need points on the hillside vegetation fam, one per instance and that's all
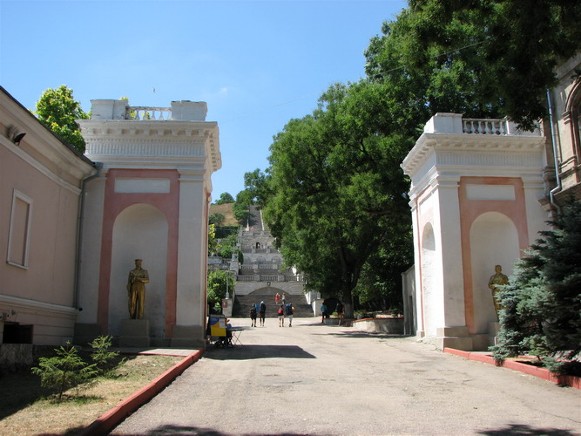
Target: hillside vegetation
(225, 209)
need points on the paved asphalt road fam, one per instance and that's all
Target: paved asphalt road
(313, 379)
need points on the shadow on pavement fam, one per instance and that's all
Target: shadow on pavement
(253, 351)
(358, 334)
(188, 430)
(523, 429)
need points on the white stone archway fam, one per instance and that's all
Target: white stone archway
(140, 231)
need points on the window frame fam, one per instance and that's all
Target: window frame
(12, 258)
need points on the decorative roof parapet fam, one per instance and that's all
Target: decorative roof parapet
(119, 135)
(183, 110)
(451, 132)
(455, 123)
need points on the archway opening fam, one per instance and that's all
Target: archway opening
(140, 231)
(430, 272)
(493, 241)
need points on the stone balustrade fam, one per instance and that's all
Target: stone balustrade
(485, 126)
(455, 123)
(252, 249)
(184, 110)
(138, 113)
(268, 278)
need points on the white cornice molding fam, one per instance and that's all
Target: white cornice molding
(25, 305)
(439, 159)
(132, 143)
(466, 149)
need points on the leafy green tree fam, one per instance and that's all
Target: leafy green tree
(212, 242)
(338, 189)
(241, 206)
(58, 111)
(380, 285)
(256, 183)
(64, 370)
(542, 302)
(217, 219)
(227, 245)
(481, 58)
(335, 197)
(219, 282)
(224, 198)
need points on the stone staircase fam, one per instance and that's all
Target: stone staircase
(243, 303)
(261, 275)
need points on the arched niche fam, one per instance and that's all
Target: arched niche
(140, 231)
(493, 241)
(430, 282)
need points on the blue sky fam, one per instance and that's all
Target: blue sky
(257, 64)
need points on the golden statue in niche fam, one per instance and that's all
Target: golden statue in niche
(138, 277)
(498, 278)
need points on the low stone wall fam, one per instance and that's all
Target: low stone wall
(14, 357)
(380, 325)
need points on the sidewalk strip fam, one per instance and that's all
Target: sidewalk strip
(535, 371)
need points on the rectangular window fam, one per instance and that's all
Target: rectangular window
(19, 231)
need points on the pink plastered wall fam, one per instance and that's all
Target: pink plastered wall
(470, 210)
(114, 204)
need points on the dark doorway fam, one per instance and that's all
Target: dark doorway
(15, 333)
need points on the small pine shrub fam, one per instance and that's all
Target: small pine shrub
(541, 313)
(63, 371)
(104, 359)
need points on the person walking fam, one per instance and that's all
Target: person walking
(289, 312)
(280, 313)
(262, 313)
(253, 316)
(323, 312)
(277, 299)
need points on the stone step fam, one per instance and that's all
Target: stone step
(243, 303)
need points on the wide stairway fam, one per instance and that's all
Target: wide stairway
(243, 304)
(261, 275)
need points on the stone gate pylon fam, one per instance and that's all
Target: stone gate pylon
(149, 201)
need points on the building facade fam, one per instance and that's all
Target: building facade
(71, 226)
(41, 182)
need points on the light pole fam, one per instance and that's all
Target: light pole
(227, 282)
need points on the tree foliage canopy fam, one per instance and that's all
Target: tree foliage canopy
(337, 191)
(58, 111)
(335, 198)
(225, 197)
(255, 191)
(219, 282)
(481, 58)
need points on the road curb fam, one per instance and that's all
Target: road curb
(109, 420)
(543, 373)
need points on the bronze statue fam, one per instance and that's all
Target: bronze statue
(498, 278)
(138, 277)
